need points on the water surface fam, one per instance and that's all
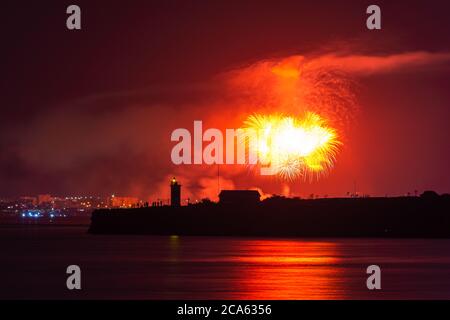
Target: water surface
(33, 262)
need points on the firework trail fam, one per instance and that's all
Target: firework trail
(302, 112)
(294, 86)
(294, 147)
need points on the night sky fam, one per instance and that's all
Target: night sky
(90, 112)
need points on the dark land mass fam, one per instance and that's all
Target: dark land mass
(427, 216)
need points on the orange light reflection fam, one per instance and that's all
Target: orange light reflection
(289, 270)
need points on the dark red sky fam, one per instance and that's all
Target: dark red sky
(91, 111)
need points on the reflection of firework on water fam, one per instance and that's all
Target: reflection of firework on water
(294, 147)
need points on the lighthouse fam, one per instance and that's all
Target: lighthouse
(175, 193)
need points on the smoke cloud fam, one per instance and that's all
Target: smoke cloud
(95, 146)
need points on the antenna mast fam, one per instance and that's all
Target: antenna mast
(218, 180)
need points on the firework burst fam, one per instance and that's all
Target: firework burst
(294, 147)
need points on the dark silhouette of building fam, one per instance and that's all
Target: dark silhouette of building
(429, 194)
(175, 193)
(393, 217)
(239, 197)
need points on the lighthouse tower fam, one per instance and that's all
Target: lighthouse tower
(175, 193)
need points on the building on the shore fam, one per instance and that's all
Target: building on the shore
(44, 199)
(123, 202)
(239, 197)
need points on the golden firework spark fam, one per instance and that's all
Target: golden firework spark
(294, 147)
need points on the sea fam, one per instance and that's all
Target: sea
(34, 261)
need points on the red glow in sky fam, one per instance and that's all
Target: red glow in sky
(92, 112)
